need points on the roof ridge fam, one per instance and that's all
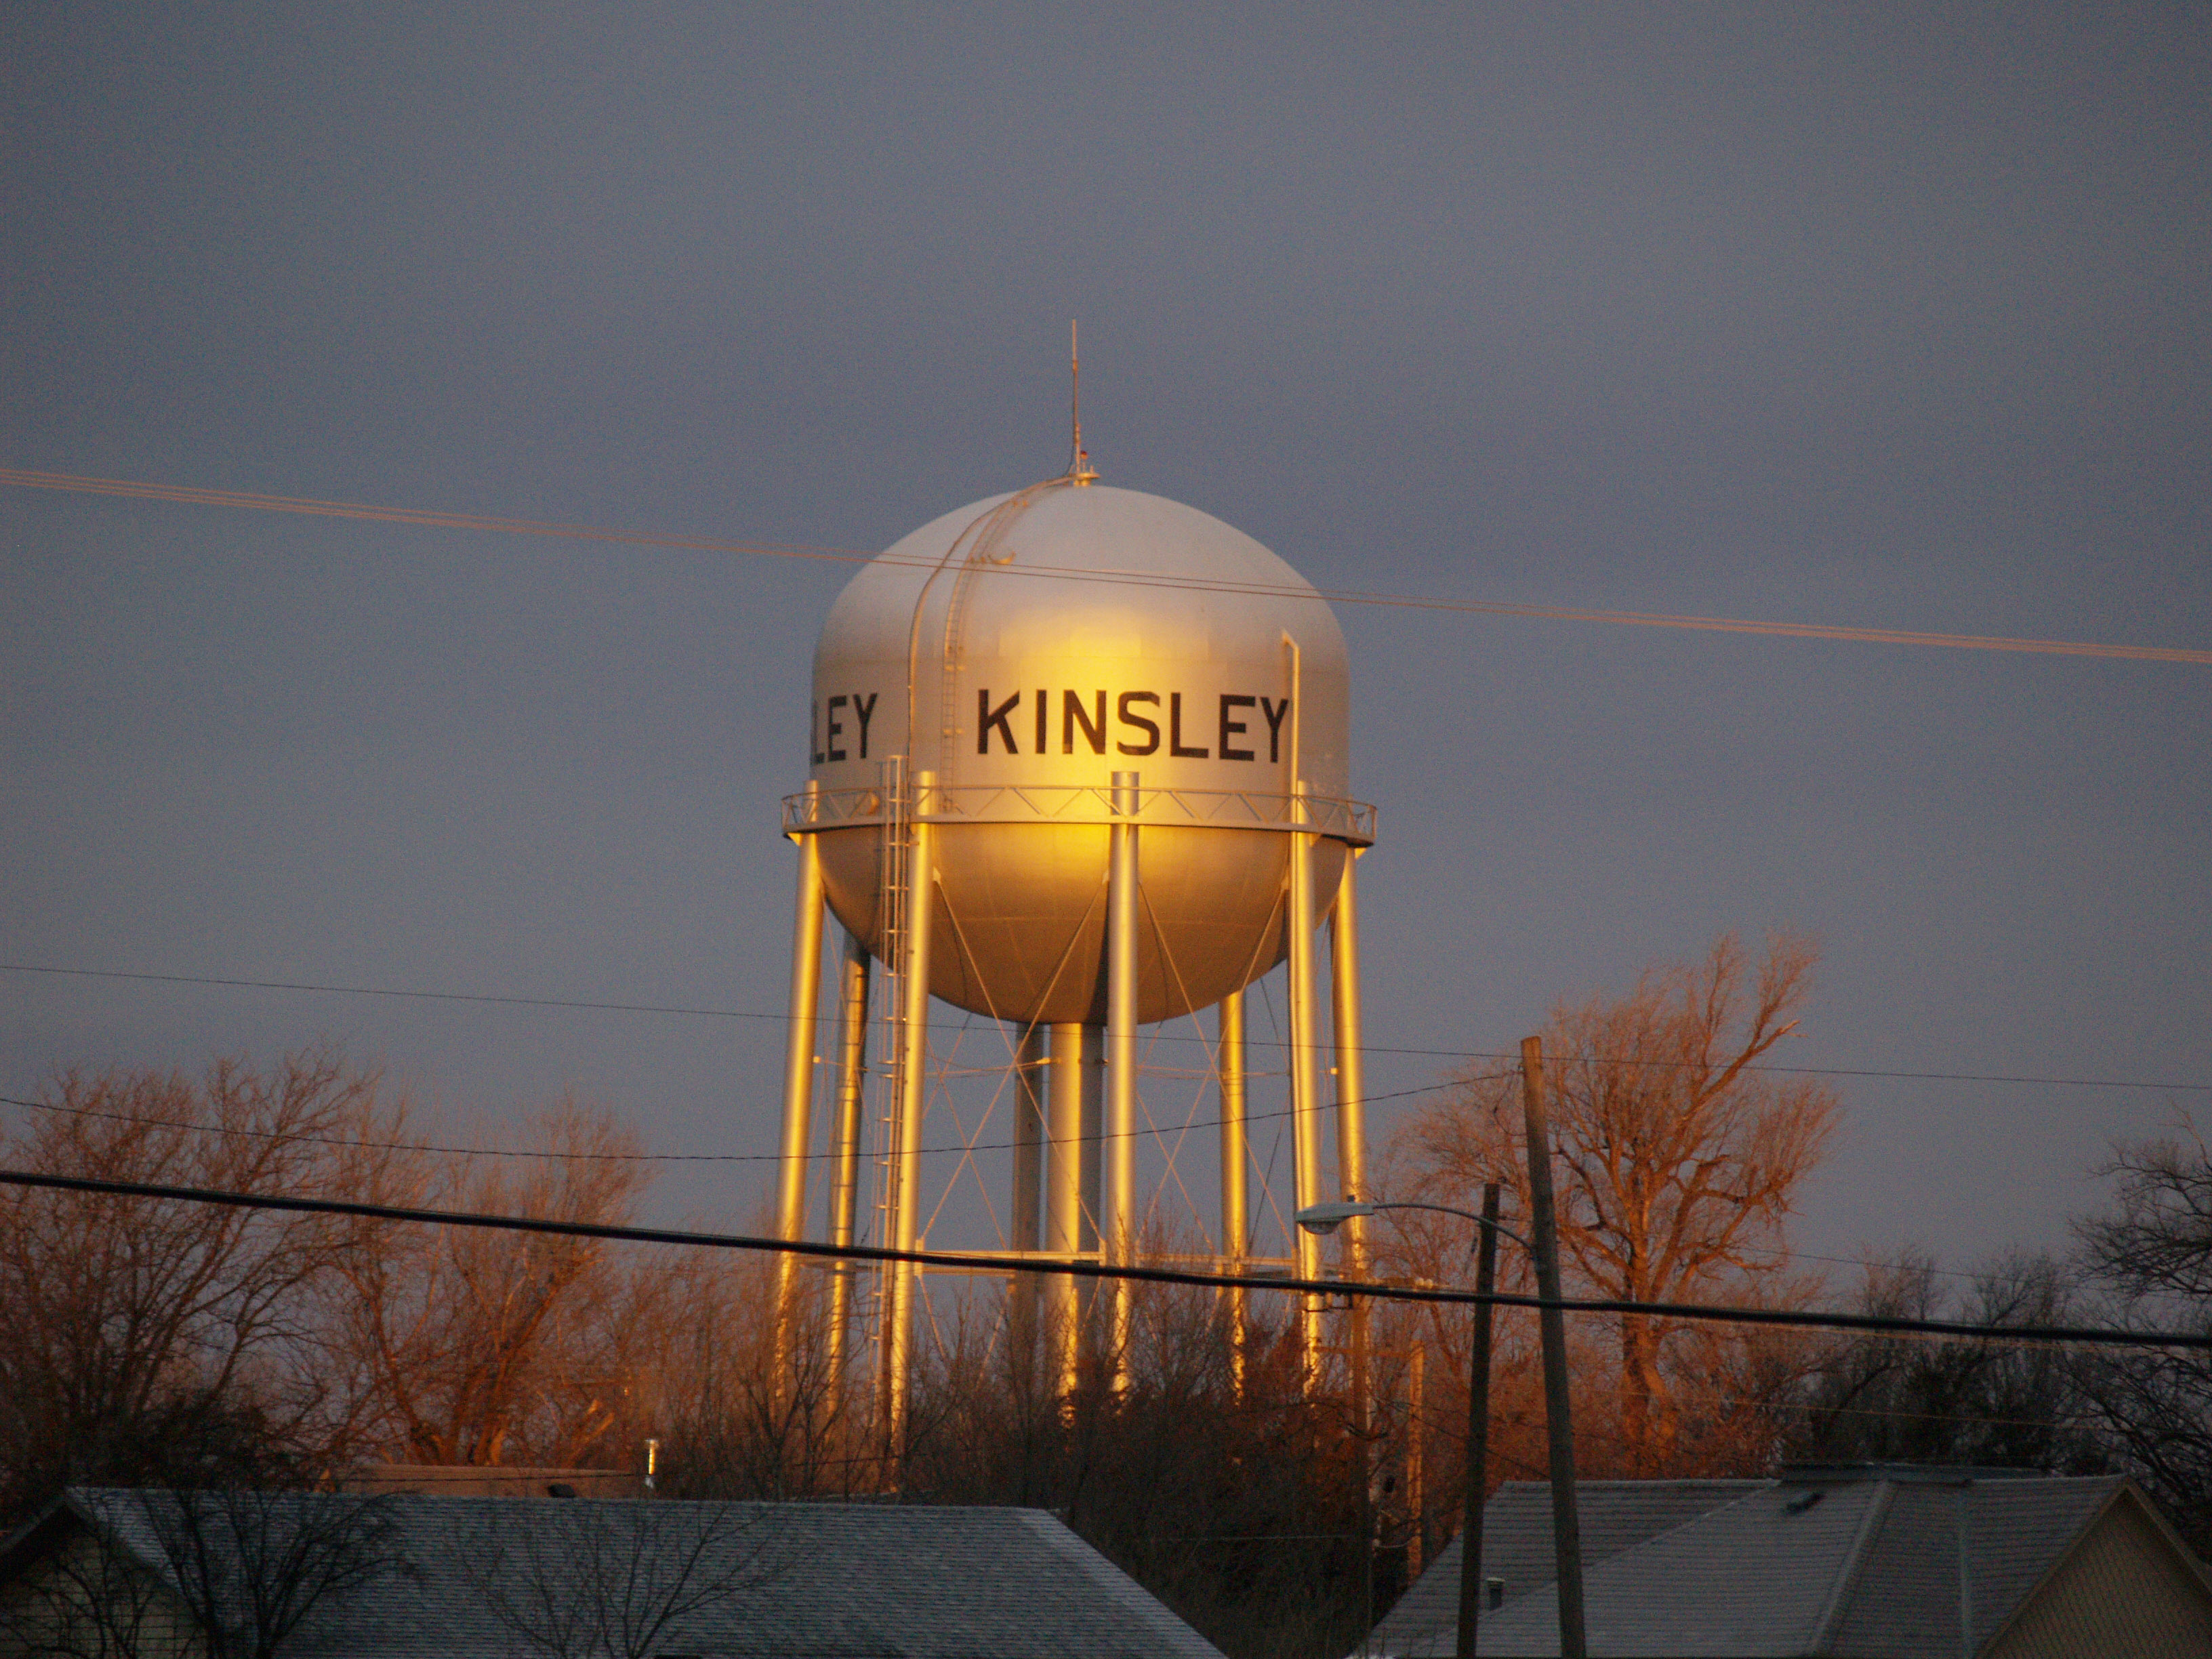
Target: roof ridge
(1832, 1615)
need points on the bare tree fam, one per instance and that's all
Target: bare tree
(477, 1345)
(2153, 1254)
(253, 1564)
(1962, 1401)
(144, 1336)
(734, 1426)
(1679, 1160)
(585, 1579)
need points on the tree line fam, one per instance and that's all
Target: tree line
(172, 1345)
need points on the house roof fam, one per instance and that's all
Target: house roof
(1516, 1545)
(1879, 1565)
(826, 1581)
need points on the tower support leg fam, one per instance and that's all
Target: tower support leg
(798, 1097)
(1120, 1245)
(845, 1152)
(1351, 1109)
(1235, 1163)
(1305, 1086)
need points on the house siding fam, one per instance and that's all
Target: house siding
(50, 1611)
(2121, 1594)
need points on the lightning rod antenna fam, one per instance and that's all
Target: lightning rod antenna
(1079, 466)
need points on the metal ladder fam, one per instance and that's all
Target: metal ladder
(894, 891)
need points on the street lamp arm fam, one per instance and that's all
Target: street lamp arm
(1464, 1215)
(1326, 1218)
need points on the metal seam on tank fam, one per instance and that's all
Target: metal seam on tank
(997, 525)
(921, 601)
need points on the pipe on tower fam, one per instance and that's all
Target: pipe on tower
(1122, 987)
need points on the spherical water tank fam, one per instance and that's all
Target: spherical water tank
(1024, 650)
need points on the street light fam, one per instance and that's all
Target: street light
(1327, 1219)
(1566, 1527)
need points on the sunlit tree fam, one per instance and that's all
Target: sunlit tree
(1679, 1158)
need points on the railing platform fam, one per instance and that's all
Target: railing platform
(1349, 821)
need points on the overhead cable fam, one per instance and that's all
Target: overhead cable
(2072, 1336)
(195, 497)
(587, 1006)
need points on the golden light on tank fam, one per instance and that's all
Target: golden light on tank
(1078, 762)
(1024, 649)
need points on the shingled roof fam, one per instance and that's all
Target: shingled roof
(824, 1581)
(1886, 1564)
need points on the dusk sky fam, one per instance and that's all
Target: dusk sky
(1889, 316)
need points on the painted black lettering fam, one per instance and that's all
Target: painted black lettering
(865, 708)
(987, 717)
(1041, 696)
(1121, 707)
(1274, 713)
(830, 748)
(1072, 714)
(1176, 747)
(814, 732)
(1233, 728)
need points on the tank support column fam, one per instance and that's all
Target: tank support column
(1071, 1186)
(1350, 1107)
(1351, 1132)
(1305, 1084)
(1028, 1220)
(1120, 1242)
(798, 1095)
(1229, 1063)
(845, 1154)
(913, 1100)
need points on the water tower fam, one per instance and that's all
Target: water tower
(1079, 764)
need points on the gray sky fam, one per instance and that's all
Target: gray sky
(1891, 317)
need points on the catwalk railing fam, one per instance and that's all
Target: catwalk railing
(1349, 821)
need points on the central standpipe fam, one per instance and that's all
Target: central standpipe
(1120, 1246)
(1076, 1061)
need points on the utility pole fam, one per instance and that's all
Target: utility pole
(1478, 1428)
(1566, 1522)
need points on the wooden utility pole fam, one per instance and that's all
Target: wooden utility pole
(1566, 1522)
(1477, 1427)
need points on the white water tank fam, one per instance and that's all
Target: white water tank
(1024, 650)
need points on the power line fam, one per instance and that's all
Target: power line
(1782, 1257)
(587, 1006)
(195, 497)
(1156, 1132)
(2076, 1336)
